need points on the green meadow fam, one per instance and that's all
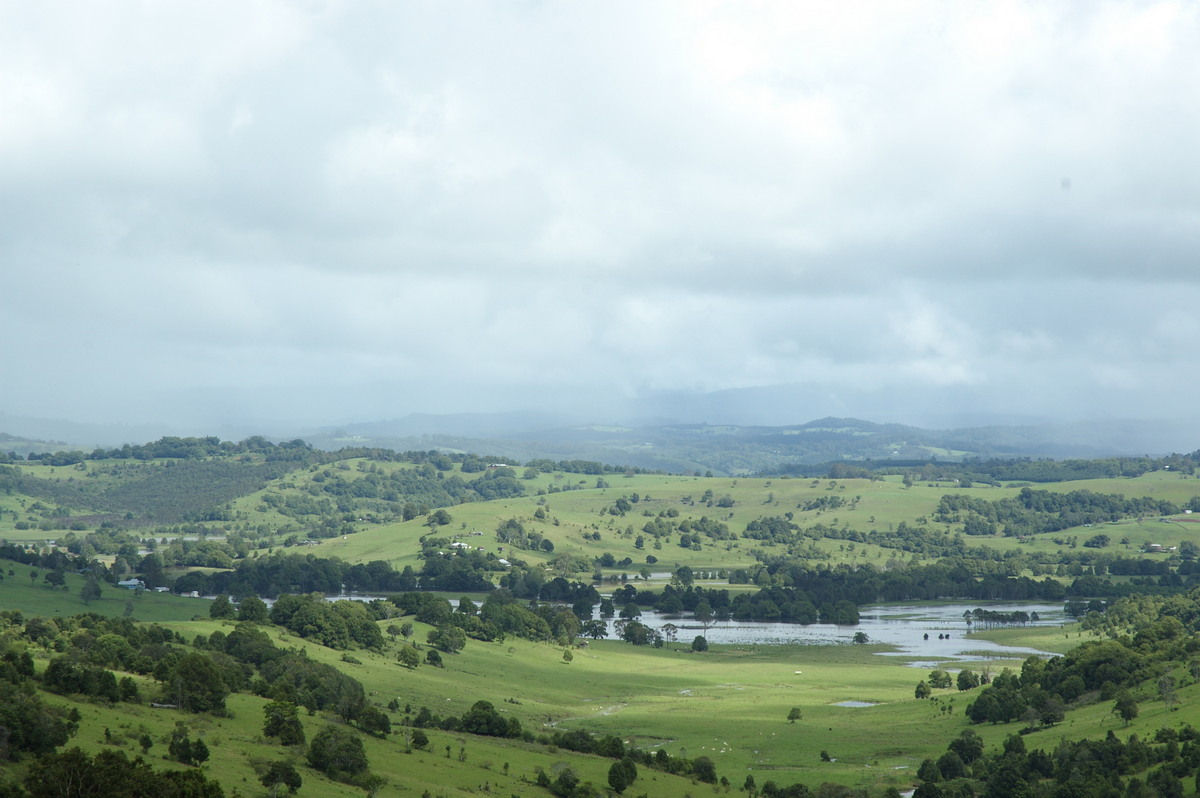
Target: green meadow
(730, 703)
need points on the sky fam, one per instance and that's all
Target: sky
(322, 212)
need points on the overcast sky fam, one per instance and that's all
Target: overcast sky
(325, 212)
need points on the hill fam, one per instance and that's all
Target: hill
(741, 450)
(543, 551)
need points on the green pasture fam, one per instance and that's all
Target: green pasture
(574, 517)
(34, 597)
(729, 704)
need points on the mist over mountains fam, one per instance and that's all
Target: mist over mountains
(658, 443)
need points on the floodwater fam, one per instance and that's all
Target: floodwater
(904, 626)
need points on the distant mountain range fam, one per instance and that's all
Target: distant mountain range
(659, 445)
(731, 449)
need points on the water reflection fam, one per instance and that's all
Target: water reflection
(904, 626)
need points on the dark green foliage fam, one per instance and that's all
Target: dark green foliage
(1036, 511)
(75, 774)
(699, 644)
(252, 609)
(282, 720)
(68, 676)
(195, 684)
(31, 725)
(281, 573)
(482, 718)
(373, 721)
(621, 774)
(408, 657)
(461, 571)
(281, 773)
(968, 746)
(1126, 707)
(337, 752)
(704, 770)
(186, 750)
(90, 591)
(222, 608)
(449, 639)
(638, 633)
(315, 685)
(338, 624)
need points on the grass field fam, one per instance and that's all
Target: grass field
(35, 597)
(730, 703)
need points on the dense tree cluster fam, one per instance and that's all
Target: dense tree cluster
(500, 614)
(111, 774)
(1095, 668)
(1105, 768)
(281, 572)
(1033, 512)
(334, 624)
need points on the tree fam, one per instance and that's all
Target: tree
(1166, 690)
(567, 656)
(968, 746)
(621, 774)
(90, 590)
(1125, 707)
(967, 679)
(951, 766)
(450, 639)
(222, 608)
(151, 570)
(794, 715)
(433, 658)
(55, 579)
(939, 679)
(703, 613)
(337, 752)
(861, 639)
(699, 644)
(374, 721)
(195, 684)
(183, 749)
(408, 657)
(923, 690)
(281, 773)
(282, 720)
(254, 610)
(704, 770)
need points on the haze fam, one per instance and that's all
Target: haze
(320, 212)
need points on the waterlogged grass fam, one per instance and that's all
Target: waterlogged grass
(1052, 639)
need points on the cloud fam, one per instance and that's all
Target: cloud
(318, 209)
